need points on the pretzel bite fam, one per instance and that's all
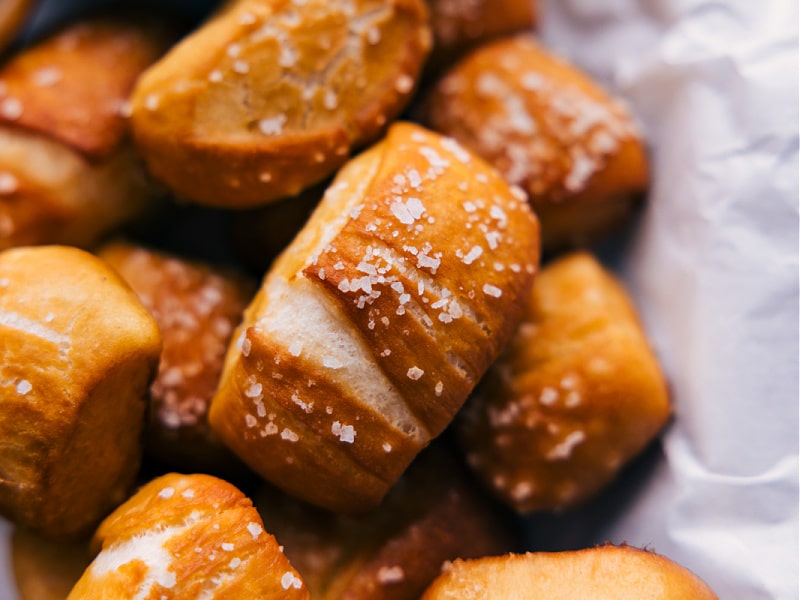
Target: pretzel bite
(373, 326)
(44, 569)
(68, 171)
(77, 352)
(197, 306)
(459, 25)
(13, 14)
(602, 573)
(549, 129)
(433, 514)
(268, 98)
(187, 536)
(576, 394)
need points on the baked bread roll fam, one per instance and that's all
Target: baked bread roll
(459, 25)
(68, 171)
(575, 395)
(549, 129)
(602, 573)
(187, 536)
(77, 354)
(374, 325)
(197, 306)
(435, 513)
(13, 14)
(270, 97)
(44, 569)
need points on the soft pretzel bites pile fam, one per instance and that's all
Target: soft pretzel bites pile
(402, 275)
(187, 536)
(77, 352)
(271, 96)
(68, 171)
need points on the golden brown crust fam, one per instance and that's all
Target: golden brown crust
(68, 171)
(74, 85)
(187, 536)
(459, 25)
(411, 273)
(51, 194)
(576, 394)
(604, 573)
(78, 353)
(549, 129)
(433, 514)
(43, 569)
(197, 306)
(266, 100)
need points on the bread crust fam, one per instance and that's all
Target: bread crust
(68, 171)
(266, 100)
(77, 352)
(576, 394)
(605, 572)
(74, 85)
(548, 128)
(409, 278)
(187, 536)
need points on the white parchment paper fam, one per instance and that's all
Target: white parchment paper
(713, 266)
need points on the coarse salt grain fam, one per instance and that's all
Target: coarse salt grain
(8, 183)
(491, 290)
(241, 67)
(47, 76)
(11, 108)
(345, 433)
(255, 530)
(23, 387)
(289, 435)
(548, 396)
(151, 102)
(472, 255)
(404, 84)
(166, 493)
(415, 373)
(389, 575)
(273, 125)
(254, 391)
(289, 580)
